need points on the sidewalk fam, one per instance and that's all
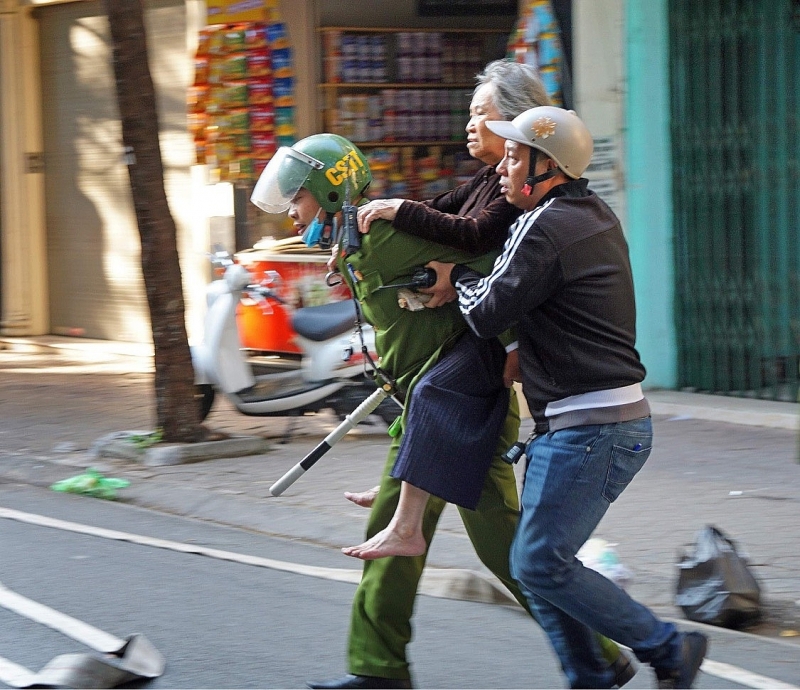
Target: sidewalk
(723, 461)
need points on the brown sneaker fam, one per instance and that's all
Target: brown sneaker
(693, 650)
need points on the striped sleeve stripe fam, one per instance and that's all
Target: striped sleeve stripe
(469, 298)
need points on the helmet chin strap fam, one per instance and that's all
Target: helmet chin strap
(531, 181)
(328, 230)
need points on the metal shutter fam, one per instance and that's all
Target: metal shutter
(735, 67)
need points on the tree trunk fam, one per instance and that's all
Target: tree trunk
(177, 412)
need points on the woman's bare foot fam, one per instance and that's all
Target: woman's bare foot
(365, 499)
(388, 542)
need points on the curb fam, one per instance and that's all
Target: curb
(122, 445)
(165, 454)
(726, 409)
(773, 420)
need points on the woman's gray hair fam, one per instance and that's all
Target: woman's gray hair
(517, 87)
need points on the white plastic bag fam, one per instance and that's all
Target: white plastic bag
(599, 555)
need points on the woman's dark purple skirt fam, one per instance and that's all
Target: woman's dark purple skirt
(453, 422)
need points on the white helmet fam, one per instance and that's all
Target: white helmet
(559, 133)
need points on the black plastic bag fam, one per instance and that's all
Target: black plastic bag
(714, 583)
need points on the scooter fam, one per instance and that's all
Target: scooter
(331, 371)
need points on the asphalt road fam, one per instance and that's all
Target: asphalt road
(223, 624)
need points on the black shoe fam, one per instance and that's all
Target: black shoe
(353, 681)
(693, 650)
(624, 668)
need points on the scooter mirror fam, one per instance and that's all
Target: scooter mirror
(272, 278)
(333, 278)
(220, 258)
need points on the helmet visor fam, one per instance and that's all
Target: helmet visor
(283, 177)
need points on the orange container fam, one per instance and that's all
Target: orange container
(268, 327)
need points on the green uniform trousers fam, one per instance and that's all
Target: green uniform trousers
(380, 621)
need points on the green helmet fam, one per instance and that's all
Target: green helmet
(329, 166)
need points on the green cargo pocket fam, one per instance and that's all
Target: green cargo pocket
(379, 306)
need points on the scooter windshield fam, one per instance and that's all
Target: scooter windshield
(283, 177)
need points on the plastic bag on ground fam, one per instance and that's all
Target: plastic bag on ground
(91, 483)
(601, 556)
(715, 585)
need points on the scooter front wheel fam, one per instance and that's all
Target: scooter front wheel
(204, 396)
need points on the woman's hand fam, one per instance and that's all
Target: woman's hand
(385, 209)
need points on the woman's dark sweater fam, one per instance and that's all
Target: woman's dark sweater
(474, 217)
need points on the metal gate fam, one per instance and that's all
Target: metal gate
(735, 108)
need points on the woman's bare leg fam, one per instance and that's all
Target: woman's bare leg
(403, 535)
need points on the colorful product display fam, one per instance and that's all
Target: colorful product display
(536, 40)
(241, 105)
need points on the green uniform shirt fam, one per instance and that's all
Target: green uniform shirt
(408, 343)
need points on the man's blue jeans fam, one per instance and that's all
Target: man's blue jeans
(572, 478)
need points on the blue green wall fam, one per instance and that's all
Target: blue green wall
(649, 185)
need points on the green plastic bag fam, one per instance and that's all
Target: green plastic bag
(91, 483)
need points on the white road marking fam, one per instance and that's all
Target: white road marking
(743, 677)
(72, 627)
(18, 676)
(135, 657)
(15, 675)
(337, 574)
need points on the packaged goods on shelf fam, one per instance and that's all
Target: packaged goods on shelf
(283, 92)
(464, 167)
(418, 57)
(262, 119)
(403, 96)
(277, 36)
(416, 173)
(402, 115)
(354, 57)
(258, 63)
(260, 92)
(282, 63)
(243, 79)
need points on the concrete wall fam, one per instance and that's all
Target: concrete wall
(599, 87)
(649, 186)
(621, 91)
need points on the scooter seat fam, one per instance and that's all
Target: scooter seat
(325, 321)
